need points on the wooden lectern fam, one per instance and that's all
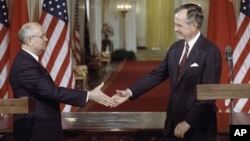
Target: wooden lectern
(224, 91)
(16, 105)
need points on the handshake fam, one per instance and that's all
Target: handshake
(98, 96)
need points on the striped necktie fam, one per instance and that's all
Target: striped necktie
(184, 58)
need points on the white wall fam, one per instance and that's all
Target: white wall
(114, 18)
(140, 22)
(105, 11)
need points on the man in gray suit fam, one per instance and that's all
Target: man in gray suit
(29, 78)
(190, 61)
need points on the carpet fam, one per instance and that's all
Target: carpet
(155, 100)
(127, 73)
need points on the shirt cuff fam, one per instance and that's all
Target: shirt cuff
(130, 92)
(87, 96)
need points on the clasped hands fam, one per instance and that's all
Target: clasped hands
(123, 95)
(98, 96)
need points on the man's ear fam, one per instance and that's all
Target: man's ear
(195, 24)
(29, 40)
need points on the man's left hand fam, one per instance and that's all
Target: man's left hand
(181, 128)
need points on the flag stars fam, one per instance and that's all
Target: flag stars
(245, 6)
(4, 14)
(57, 8)
(59, 13)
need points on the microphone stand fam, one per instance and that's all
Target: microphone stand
(230, 63)
(229, 58)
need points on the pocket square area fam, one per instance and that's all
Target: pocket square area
(194, 65)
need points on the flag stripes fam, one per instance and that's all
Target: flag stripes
(76, 36)
(241, 54)
(77, 51)
(57, 57)
(4, 50)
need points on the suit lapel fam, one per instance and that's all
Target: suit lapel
(33, 60)
(177, 57)
(193, 54)
(191, 57)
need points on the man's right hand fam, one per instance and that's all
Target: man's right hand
(120, 97)
(98, 96)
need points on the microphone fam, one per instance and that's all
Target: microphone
(229, 56)
(229, 59)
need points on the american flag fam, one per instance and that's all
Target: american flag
(4, 42)
(221, 31)
(241, 54)
(76, 37)
(57, 57)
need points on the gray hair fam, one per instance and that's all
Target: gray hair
(26, 31)
(194, 13)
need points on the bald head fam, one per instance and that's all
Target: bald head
(27, 30)
(32, 37)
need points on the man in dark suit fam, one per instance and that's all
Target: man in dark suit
(187, 118)
(29, 78)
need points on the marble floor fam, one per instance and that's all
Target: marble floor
(151, 54)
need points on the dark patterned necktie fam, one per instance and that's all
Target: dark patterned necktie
(184, 58)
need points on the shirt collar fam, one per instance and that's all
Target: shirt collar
(32, 54)
(193, 41)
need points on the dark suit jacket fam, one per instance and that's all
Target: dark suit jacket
(29, 78)
(201, 115)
